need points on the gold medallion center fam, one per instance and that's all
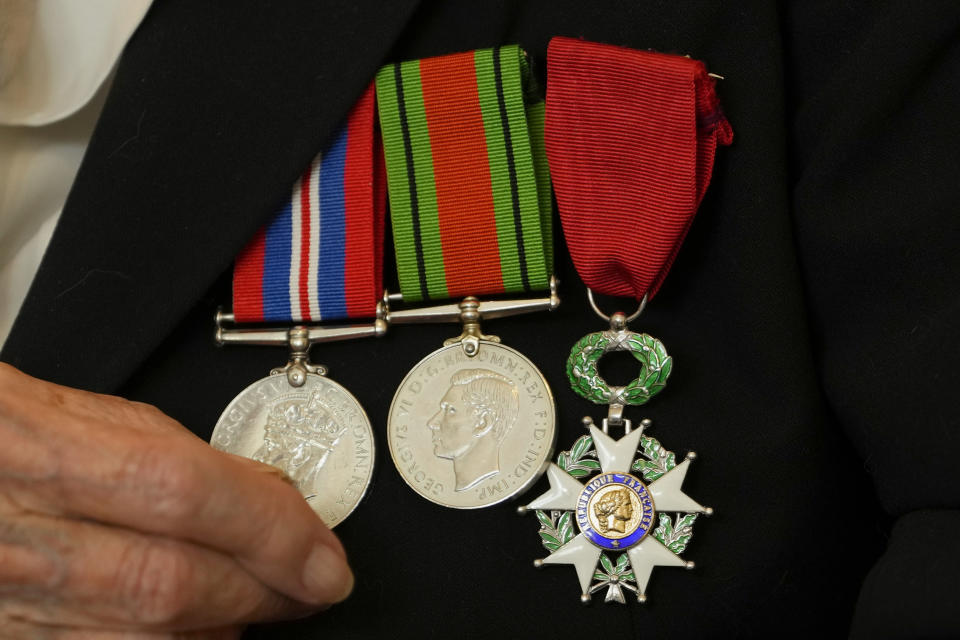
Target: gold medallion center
(615, 511)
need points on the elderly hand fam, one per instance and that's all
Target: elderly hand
(116, 522)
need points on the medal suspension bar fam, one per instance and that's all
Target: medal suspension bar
(469, 312)
(464, 312)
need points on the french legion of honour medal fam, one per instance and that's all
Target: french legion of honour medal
(473, 423)
(317, 260)
(628, 180)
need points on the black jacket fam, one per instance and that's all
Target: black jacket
(811, 313)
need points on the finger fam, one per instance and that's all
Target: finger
(20, 630)
(83, 406)
(80, 405)
(145, 479)
(83, 574)
(266, 469)
(188, 490)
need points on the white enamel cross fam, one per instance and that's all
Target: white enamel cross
(617, 456)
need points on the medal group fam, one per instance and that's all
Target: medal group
(466, 151)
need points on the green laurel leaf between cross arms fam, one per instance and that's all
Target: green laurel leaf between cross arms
(607, 564)
(675, 535)
(556, 529)
(608, 572)
(624, 569)
(580, 460)
(660, 460)
(584, 378)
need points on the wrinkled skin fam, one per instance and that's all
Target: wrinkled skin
(116, 522)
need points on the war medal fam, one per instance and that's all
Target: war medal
(473, 423)
(630, 136)
(318, 260)
(307, 426)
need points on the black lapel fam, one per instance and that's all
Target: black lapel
(213, 113)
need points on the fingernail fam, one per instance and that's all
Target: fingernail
(327, 575)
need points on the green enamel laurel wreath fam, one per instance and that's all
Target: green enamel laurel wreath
(655, 366)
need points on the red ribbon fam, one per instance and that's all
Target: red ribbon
(631, 137)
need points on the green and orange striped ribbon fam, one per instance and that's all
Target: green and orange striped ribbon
(467, 174)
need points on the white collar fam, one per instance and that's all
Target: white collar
(57, 53)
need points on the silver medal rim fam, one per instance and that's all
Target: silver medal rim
(366, 420)
(519, 489)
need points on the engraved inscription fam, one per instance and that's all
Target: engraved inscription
(471, 432)
(615, 511)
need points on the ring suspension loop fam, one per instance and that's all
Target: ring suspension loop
(630, 318)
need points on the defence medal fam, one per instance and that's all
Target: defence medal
(631, 138)
(318, 260)
(472, 424)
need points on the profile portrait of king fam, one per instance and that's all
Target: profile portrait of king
(298, 439)
(476, 414)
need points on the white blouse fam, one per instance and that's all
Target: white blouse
(56, 60)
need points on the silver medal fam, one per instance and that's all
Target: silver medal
(303, 423)
(473, 423)
(318, 434)
(472, 431)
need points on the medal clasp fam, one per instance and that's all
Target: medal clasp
(270, 336)
(299, 339)
(469, 313)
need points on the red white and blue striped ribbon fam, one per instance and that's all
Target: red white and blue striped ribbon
(320, 257)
